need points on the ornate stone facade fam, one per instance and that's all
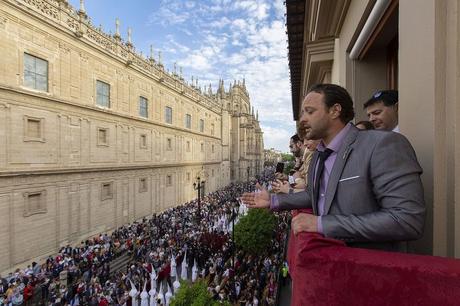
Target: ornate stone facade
(100, 136)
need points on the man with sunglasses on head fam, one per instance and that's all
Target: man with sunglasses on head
(382, 110)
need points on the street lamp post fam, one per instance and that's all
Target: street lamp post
(247, 170)
(233, 237)
(234, 214)
(198, 186)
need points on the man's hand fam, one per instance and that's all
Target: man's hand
(304, 223)
(280, 187)
(281, 176)
(258, 199)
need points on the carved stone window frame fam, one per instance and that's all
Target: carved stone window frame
(38, 54)
(42, 209)
(143, 107)
(169, 144)
(28, 138)
(188, 121)
(110, 194)
(143, 184)
(169, 180)
(103, 82)
(168, 115)
(107, 131)
(143, 141)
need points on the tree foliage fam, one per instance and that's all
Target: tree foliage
(194, 294)
(287, 157)
(254, 231)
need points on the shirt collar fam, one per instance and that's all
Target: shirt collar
(337, 141)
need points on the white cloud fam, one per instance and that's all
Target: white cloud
(239, 24)
(195, 61)
(232, 40)
(189, 4)
(280, 8)
(220, 23)
(278, 138)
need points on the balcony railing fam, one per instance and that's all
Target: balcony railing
(326, 272)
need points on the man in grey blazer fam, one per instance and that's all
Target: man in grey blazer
(364, 186)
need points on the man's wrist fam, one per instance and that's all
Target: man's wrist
(274, 203)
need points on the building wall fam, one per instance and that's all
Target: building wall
(59, 182)
(429, 108)
(430, 115)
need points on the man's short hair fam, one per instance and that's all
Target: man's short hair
(334, 94)
(388, 97)
(295, 138)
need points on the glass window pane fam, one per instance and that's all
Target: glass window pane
(29, 79)
(168, 115)
(102, 94)
(106, 101)
(41, 67)
(41, 83)
(99, 88)
(143, 107)
(106, 89)
(29, 63)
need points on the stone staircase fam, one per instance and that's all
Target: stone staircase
(119, 263)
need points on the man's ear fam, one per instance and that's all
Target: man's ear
(335, 110)
(396, 106)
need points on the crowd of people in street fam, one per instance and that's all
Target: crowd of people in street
(187, 242)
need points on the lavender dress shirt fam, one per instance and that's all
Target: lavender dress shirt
(335, 146)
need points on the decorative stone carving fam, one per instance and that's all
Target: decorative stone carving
(72, 23)
(64, 48)
(44, 7)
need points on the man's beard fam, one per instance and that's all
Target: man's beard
(314, 134)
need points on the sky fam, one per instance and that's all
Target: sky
(212, 40)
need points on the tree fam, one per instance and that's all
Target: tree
(254, 231)
(287, 157)
(194, 294)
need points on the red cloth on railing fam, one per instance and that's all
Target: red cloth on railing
(325, 272)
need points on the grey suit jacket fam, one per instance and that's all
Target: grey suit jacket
(374, 196)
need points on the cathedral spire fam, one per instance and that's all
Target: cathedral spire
(129, 43)
(221, 89)
(151, 53)
(117, 28)
(82, 7)
(82, 10)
